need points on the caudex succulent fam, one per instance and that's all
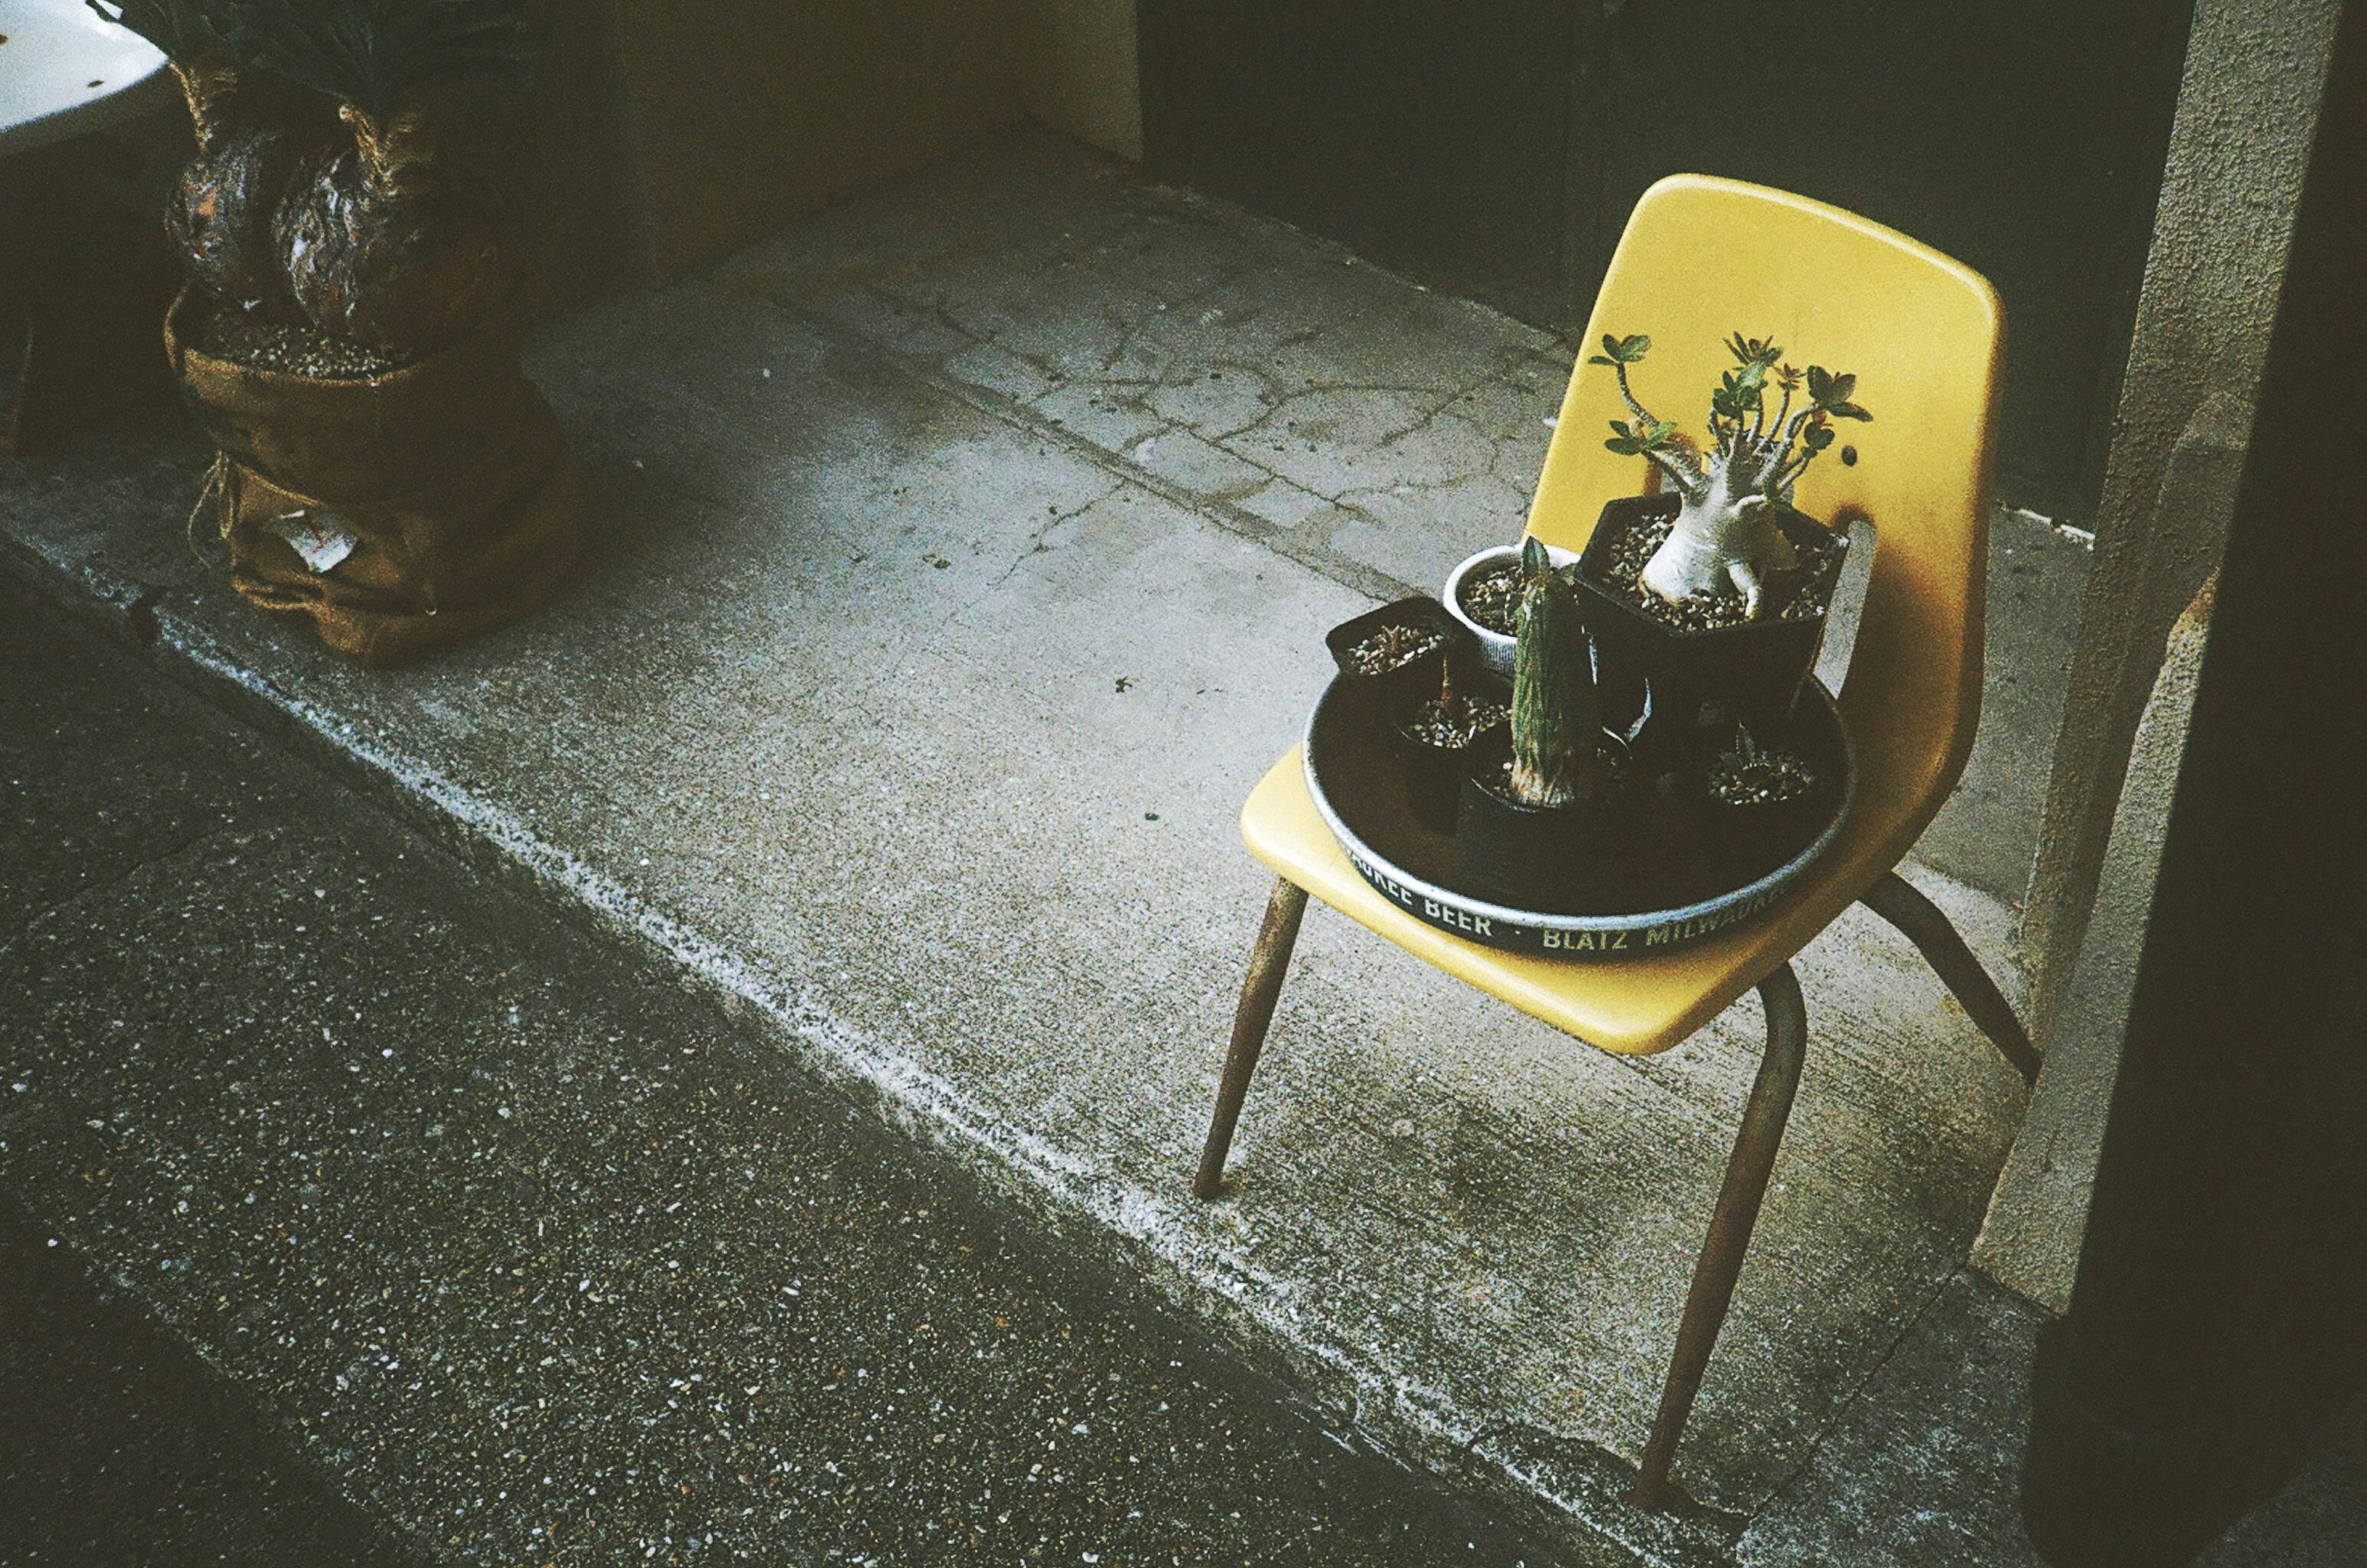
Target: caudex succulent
(1726, 537)
(362, 232)
(380, 248)
(1556, 722)
(221, 214)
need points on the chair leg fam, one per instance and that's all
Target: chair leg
(1729, 1228)
(1919, 921)
(1269, 961)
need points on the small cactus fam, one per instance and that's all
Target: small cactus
(1556, 719)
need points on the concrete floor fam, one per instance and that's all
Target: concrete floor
(964, 555)
(1369, 427)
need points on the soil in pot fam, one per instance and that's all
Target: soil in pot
(1799, 592)
(290, 349)
(1391, 647)
(1436, 736)
(1761, 804)
(1492, 595)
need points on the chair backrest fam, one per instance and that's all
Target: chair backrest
(1702, 259)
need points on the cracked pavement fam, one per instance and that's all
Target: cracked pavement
(1388, 430)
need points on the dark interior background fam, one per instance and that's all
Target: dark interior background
(1496, 148)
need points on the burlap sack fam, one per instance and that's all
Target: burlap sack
(440, 496)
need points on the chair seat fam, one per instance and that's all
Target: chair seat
(1631, 1006)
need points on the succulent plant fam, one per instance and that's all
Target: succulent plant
(381, 247)
(1725, 533)
(1557, 721)
(221, 215)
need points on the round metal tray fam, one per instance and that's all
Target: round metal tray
(1359, 789)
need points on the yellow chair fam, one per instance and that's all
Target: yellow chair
(1702, 259)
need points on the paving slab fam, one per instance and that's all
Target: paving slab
(916, 725)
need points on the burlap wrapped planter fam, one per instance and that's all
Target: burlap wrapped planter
(449, 475)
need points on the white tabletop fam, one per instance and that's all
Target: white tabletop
(64, 71)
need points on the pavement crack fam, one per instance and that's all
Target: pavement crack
(1224, 514)
(1842, 1407)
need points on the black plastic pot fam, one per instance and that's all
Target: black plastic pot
(1388, 693)
(1750, 671)
(1434, 774)
(1742, 843)
(1574, 859)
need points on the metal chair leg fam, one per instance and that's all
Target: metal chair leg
(1269, 961)
(1919, 921)
(1729, 1228)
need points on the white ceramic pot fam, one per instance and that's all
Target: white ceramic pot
(1495, 647)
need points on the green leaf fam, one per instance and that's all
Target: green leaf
(1626, 446)
(1600, 359)
(1817, 437)
(1820, 385)
(182, 28)
(375, 54)
(1850, 411)
(1533, 556)
(1757, 351)
(1626, 350)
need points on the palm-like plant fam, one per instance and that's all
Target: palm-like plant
(380, 248)
(221, 213)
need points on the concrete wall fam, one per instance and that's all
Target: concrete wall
(748, 112)
(2038, 1216)
(2239, 146)
(739, 115)
(1083, 76)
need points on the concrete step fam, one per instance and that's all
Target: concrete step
(932, 640)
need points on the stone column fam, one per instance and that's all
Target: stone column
(2239, 146)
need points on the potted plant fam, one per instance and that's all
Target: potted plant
(351, 335)
(1438, 734)
(1483, 594)
(1388, 659)
(1762, 804)
(1535, 828)
(1716, 589)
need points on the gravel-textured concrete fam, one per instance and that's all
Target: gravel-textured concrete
(118, 1449)
(917, 724)
(540, 1263)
